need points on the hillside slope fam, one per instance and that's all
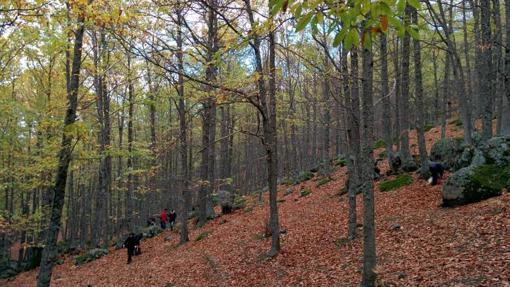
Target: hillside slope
(435, 246)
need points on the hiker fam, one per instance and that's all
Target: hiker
(163, 218)
(171, 219)
(131, 243)
(151, 221)
(377, 171)
(138, 238)
(436, 169)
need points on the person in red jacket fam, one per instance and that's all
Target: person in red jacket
(163, 218)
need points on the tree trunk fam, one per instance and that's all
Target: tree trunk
(49, 255)
(353, 136)
(505, 125)
(385, 95)
(130, 160)
(420, 107)
(404, 108)
(485, 72)
(369, 250)
(270, 138)
(103, 111)
(183, 140)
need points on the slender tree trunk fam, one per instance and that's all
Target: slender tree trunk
(353, 136)
(385, 95)
(420, 107)
(183, 136)
(498, 74)
(485, 72)
(369, 248)
(103, 112)
(130, 160)
(404, 108)
(437, 108)
(270, 138)
(49, 255)
(267, 109)
(505, 125)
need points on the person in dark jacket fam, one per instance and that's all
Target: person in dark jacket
(437, 170)
(171, 219)
(131, 243)
(138, 238)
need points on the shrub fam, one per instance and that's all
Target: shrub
(379, 144)
(392, 184)
(339, 161)
(151, 231)
(286, 181)
(305, 191)
(428, 127)
(289, 191)
(239, 202)
(90, 255)
(304, 176)
(323, 181)
(202, 235)
(63, 246)
(8, 268)
(325, 168)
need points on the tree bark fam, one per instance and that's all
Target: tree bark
(404, 108)
(420, 107)
(485, 72)
(369, 248)
(385, 95)
(49, 255)
(183, 133)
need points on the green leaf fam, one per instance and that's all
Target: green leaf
(414, 3)
(301, 24)
(401, 6)
(414, 33)
(338, 39)
(277, 6)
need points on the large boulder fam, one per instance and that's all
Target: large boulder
(226, 200)
(448, 151)
(463, 188)
(497, 150)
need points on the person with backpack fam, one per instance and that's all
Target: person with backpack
(131, 243)
(163, 218)
(171, 219)
(436, 170)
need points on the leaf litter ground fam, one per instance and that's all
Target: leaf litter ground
(419, 243)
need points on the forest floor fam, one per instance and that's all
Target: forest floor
(434, 246)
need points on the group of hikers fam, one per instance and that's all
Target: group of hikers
(132, 242)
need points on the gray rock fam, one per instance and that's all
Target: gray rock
(478, 158)
(448, 151)
(225, 198)
(463, 188)
(497, 150)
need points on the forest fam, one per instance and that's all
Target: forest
(112, 111)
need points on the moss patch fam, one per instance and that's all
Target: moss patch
(202, 235)
(305, 192)
(90, 255)
(492, 176)
(379, 144)
(392, 184)
(323, 181)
